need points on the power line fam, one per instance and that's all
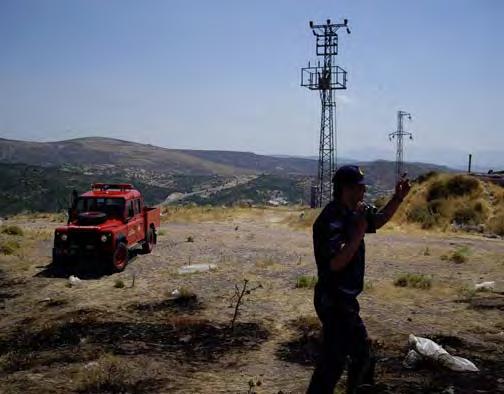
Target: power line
(398, 135)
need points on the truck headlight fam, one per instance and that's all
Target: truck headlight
(63, 237)
(104, 238)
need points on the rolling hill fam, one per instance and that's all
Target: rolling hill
(38, 176)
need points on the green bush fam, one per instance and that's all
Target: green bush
(425, 177)
(421, 214)
(459, 255)
(466, 215)
(307, 282)
(496, 224)
(119, 284)
(9, 247)
(418, 281)
(12, 230)
(456, 186)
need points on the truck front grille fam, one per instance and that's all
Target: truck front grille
(83, 239)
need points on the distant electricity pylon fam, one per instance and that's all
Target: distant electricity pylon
(326, 78)
(399, 135)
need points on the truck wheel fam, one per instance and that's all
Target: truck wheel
(120, 257)
(150, 241)
(59, 262)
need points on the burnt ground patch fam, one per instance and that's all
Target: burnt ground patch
(490, 302)
(430, 378)
(138, 387)
(305, 346)
(189, 304)
(8, 288)
(183, 339)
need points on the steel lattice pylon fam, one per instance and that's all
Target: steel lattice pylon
(399, 135)
(326, 78)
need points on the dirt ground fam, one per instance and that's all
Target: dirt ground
(97, 336)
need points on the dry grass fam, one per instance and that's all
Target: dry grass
(301, 219)
(193, 214)
(443, 199)
(12, 230)
(109, 374)
(9, 247)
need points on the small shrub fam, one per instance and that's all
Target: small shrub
(496, 224)
(471, 214)
(119, 284)
(466, 215)
(305, 324)
(16, 361)
(12, 230)
(418, 281)
(459, 255)
(186, 293)
(456, 186)
(368, 285)
(425, 177)
(426, 251)
(461, 185)
(421, 214)
(190, 238)
(109, 374)
(307, 282)
(439, 207)
(9, 247)
(161, 232)
(467, 292)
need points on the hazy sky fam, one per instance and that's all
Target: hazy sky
(225, 74)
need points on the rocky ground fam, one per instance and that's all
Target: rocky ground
(127, 332)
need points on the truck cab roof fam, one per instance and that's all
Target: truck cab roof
(104, 190)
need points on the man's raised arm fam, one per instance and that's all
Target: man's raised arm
(385, 214)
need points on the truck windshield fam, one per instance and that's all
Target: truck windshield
(113, 207)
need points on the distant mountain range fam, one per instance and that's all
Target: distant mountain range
(39, 176)
(100, 151)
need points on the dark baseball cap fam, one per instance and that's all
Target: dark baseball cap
(349, 175)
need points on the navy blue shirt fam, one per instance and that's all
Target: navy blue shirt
(331, 231)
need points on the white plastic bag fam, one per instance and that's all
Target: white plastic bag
(456, 363)
(426, 347)
(485, 286)
(431, 350)
(74, 281)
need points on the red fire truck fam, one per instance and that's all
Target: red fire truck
(104, 223)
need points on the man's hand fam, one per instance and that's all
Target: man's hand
(360, 223)
(402, 189)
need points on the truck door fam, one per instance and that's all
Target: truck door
(139, 220)
(131, 223)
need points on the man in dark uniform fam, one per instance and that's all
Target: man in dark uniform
(338, 240)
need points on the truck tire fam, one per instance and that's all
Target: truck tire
(120, 257)
(59, 261)
(150, 241)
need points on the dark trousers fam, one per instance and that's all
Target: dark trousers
(344, 340)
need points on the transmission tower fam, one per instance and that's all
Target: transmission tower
(326, 78)
(399, 135)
